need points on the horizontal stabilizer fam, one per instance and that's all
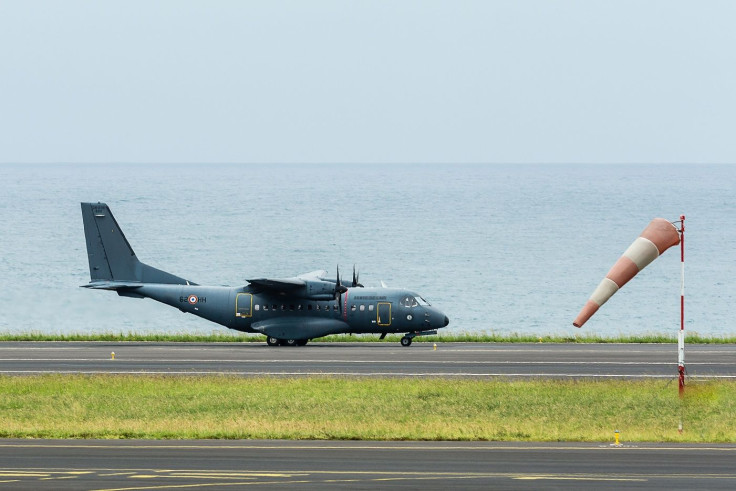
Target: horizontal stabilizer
(111, 285)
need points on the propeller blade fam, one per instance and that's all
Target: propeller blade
(339, 287)
(356, 281)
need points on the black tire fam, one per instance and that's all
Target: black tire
(272, 341)
(289, 342)
(406, 341)
(302, 342)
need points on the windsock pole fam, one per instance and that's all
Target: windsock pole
(681, 334)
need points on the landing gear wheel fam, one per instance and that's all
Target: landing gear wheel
(302, 342)
(289, 342)
(271, 341)
(406, 341)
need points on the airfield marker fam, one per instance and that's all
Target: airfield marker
(681, 334)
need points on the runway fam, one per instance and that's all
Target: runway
(369, 359)
(139, 465)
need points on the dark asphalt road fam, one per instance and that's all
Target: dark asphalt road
(370, 359)
(135, 465)
(94, 464)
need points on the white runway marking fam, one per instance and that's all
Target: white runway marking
(119, 359)
(358, 374)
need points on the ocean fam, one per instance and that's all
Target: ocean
(499, 248)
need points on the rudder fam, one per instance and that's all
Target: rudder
(111, 258)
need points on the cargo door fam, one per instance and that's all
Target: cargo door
(384, 314)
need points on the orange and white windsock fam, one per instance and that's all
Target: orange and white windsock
(659, 236)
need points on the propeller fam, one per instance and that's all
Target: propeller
(355, 278)
(339, 289)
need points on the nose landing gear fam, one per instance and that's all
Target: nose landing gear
(407, 339)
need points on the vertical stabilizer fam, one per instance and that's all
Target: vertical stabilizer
(111, 258)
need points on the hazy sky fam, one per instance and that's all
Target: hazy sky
(368, 81)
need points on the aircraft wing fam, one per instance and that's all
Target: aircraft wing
(279, 284)
(310, 285)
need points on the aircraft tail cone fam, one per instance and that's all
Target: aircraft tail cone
(659, 236)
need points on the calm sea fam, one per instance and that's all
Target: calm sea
(504, 249)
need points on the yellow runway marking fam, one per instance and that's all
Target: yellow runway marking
(23, 474)
(577, 478)
(203, 485)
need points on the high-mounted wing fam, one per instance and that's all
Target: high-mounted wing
(278, 284)
(312, 286)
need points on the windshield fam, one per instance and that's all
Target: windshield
(408, 301)
(411, 301)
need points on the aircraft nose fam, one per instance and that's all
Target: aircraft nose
(447, 321)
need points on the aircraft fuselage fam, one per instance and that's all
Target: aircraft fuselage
(363, 310)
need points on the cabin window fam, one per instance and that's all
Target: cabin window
(334, 307)
(352, 307)
(258, 307)
(274, 307)
(362, 308)
(265, 306)
(300, 307)
(370, 308)
(291, 307)
(283, 307)
(309, 306)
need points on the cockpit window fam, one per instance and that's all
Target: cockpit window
(408, 301)
(411, 301)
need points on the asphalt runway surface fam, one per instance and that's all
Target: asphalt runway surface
(370, 359)
(135, 464)
(138, 465)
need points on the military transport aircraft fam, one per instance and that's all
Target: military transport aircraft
(289, 311)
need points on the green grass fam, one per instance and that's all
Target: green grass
(691, 338)
(104, 406)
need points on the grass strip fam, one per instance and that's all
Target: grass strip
(215, 337)
(160, 407)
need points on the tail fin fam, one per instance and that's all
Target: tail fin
(111, 259)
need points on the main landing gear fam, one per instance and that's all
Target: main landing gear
(271, 341)
(407, 339)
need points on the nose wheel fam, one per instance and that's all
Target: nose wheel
(407, 339)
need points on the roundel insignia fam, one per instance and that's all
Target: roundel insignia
(192, 299)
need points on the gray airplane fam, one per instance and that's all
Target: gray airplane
(289, 311)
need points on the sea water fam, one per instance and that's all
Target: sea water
(499, 248)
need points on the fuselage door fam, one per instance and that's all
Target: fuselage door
(244, 305)
(384, 314)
